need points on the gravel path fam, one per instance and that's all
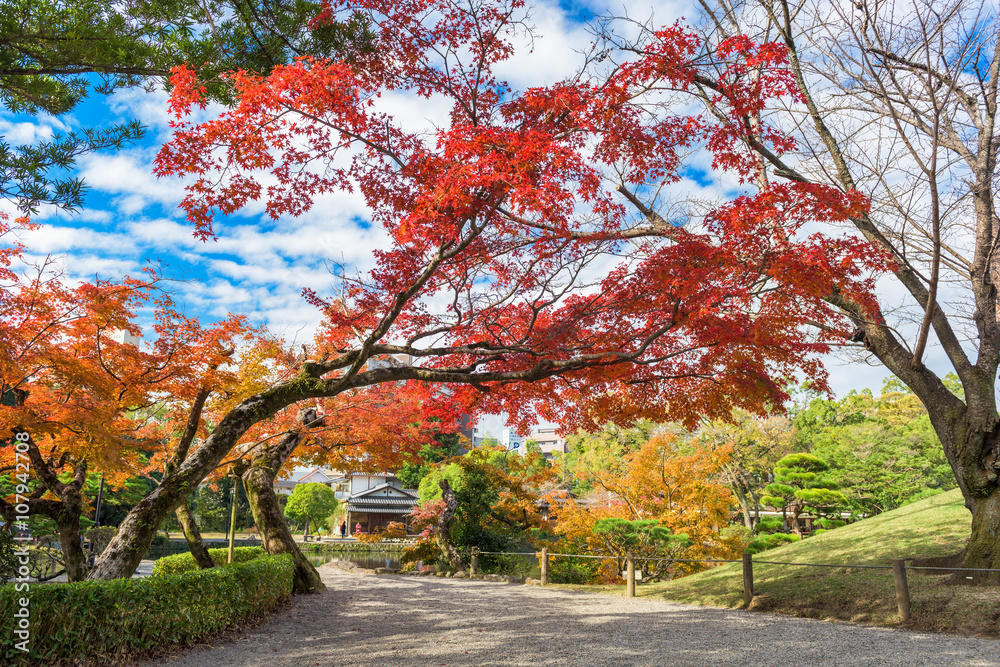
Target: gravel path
(395, 620)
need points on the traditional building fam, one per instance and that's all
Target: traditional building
(377, 500)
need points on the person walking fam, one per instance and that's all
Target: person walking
(357, 529)
(343, 529)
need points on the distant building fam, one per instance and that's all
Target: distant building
(125, 338)
(513, 442)
(305, 475)
(547, 439)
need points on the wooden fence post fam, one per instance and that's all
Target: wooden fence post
(747, 579)
(630, 563)
(545, 566)
(902, 590)
(474, 569)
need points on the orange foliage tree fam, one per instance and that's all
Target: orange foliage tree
(80, 395)
(682, 489)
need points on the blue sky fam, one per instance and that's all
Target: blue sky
(258, 266)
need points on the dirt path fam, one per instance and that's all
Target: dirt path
(393, 620)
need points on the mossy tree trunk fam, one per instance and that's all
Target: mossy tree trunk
(66, 511)
(258, 480)
(74, 557)
(274, 532)
(183, 473)
(443, 534)
(193, 535)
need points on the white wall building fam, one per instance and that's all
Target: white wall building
(304, 475)
(548, 440)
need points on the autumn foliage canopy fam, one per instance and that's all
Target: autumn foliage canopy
(525, 241)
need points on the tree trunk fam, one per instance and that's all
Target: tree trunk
(983, 550)
(137, 530)
(444, 527)
(73, 555)
(193, 535)
(796, 511)
(259, 483)
(737, 489)
(965, 136)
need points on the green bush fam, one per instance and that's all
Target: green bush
(765, 542)
(103, 622)
(769, 524)
(564, 570)
(185, 562)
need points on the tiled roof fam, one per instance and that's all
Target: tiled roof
(380, 510)
(364, 500)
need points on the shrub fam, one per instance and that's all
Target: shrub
(425, 550)
(568, 570)
(926, 493)
(373, 537)
(769, 524)
(765, 542)
(395, 531)
(8, 561)
(737, 534)
(100, 537)
(185, 562)
(102, 622)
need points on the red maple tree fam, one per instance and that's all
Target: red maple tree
(528, 266)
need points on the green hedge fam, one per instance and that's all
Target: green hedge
(103, 622)
(179, 563)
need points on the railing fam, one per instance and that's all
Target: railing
(898, 567)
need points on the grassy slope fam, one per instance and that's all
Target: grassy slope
(936, 526)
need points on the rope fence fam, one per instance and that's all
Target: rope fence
(898, 568)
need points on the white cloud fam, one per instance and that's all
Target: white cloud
(55, 239)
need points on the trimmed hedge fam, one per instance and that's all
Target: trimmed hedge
(185, 562)
(104, 622)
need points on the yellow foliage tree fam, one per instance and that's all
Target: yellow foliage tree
(679, 487)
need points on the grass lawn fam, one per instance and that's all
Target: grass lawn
(937, 526)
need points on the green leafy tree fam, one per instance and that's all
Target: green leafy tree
(881, 450)
(757, 445)
(8, 560)
(116, 502)
(311, 503)
(801, 483)
(497, 494)
(445, 446)
(590, 453)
